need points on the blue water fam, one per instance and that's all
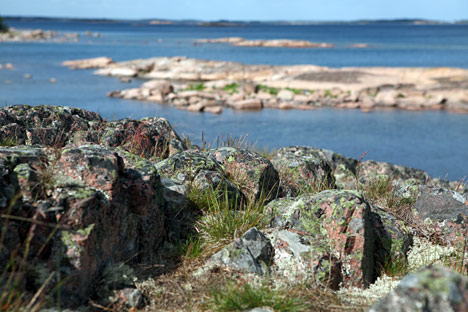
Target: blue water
(433, 141)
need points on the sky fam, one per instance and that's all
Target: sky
(291, 10)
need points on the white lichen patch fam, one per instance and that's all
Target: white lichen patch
(357, 296)
(424, 253)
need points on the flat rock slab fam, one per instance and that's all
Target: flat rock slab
(431, 289)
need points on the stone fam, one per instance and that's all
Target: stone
(247, 104)
(430, 289)
(302, 167)
(161, 86)
(252, 253)
(286, 95)
(98, 62)
(253, 174)
(151, 137)
(327, 237)
(440, 204)
(213, 109)
(92, 205)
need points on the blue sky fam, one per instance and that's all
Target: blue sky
(311, 10)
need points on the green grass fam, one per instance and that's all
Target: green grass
(382, 192)
(241, 298)
(8, 142)
(197, 86)
(295, 91)
(231, 88)
(271, 90)
(298, 183)
(225, 217)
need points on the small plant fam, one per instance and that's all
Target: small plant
(231, 88)
(225, 217)
(197, 86)
(401, 95)
(328, 93)
(296, 183)
(8, 142)
(295, 91)
(241, 298)
(271, 90)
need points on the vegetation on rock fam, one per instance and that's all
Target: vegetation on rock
(80, 196)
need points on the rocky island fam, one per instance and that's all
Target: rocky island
(209, 86)
(128, 215)
(29, 35)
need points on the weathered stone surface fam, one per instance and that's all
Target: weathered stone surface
(252, 253)
(252, 173)
(304, 168)
(440, 204)
(370, 169)
(336, 243)
(92, 208)
(47, 125)
(393, 238)
(194, 168)
(98, 62)
(152, 138)
(431, 289)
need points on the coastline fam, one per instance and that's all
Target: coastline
(110, 199)
(204, 85)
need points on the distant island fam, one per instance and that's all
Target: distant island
(232, 23)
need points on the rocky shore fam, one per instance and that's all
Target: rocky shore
(127, 215)
(210, 86)
(277, 43)
(28, 35)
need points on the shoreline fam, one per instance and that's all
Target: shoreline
(110, 199)
(209, 86)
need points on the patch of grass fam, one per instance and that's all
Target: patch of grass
(271, 90)
(8, 142)
(240, 298)
(231, 88)
(225, 217)
(382, 191)
(396, 267)
(328, 93)
(191, 248)
(296, 183)
(197, 86)
(295, 91)
(401, 95)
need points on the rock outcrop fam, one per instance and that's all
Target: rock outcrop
(229, 84)
(82, 200)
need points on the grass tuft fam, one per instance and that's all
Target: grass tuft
(241, 298)
(224, 217)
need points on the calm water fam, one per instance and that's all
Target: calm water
(433, 141)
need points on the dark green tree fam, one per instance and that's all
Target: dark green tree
(3, 26)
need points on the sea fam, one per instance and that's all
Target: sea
(435, 141)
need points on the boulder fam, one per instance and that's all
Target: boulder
(98, 62)
(247, 104)
(303, 169)
(195, 169)
(93, 207)
(252, 253)
(252, 173)
(431, 289)
(46, 125)
(329, 237)
(161, 86)
(151, 137)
